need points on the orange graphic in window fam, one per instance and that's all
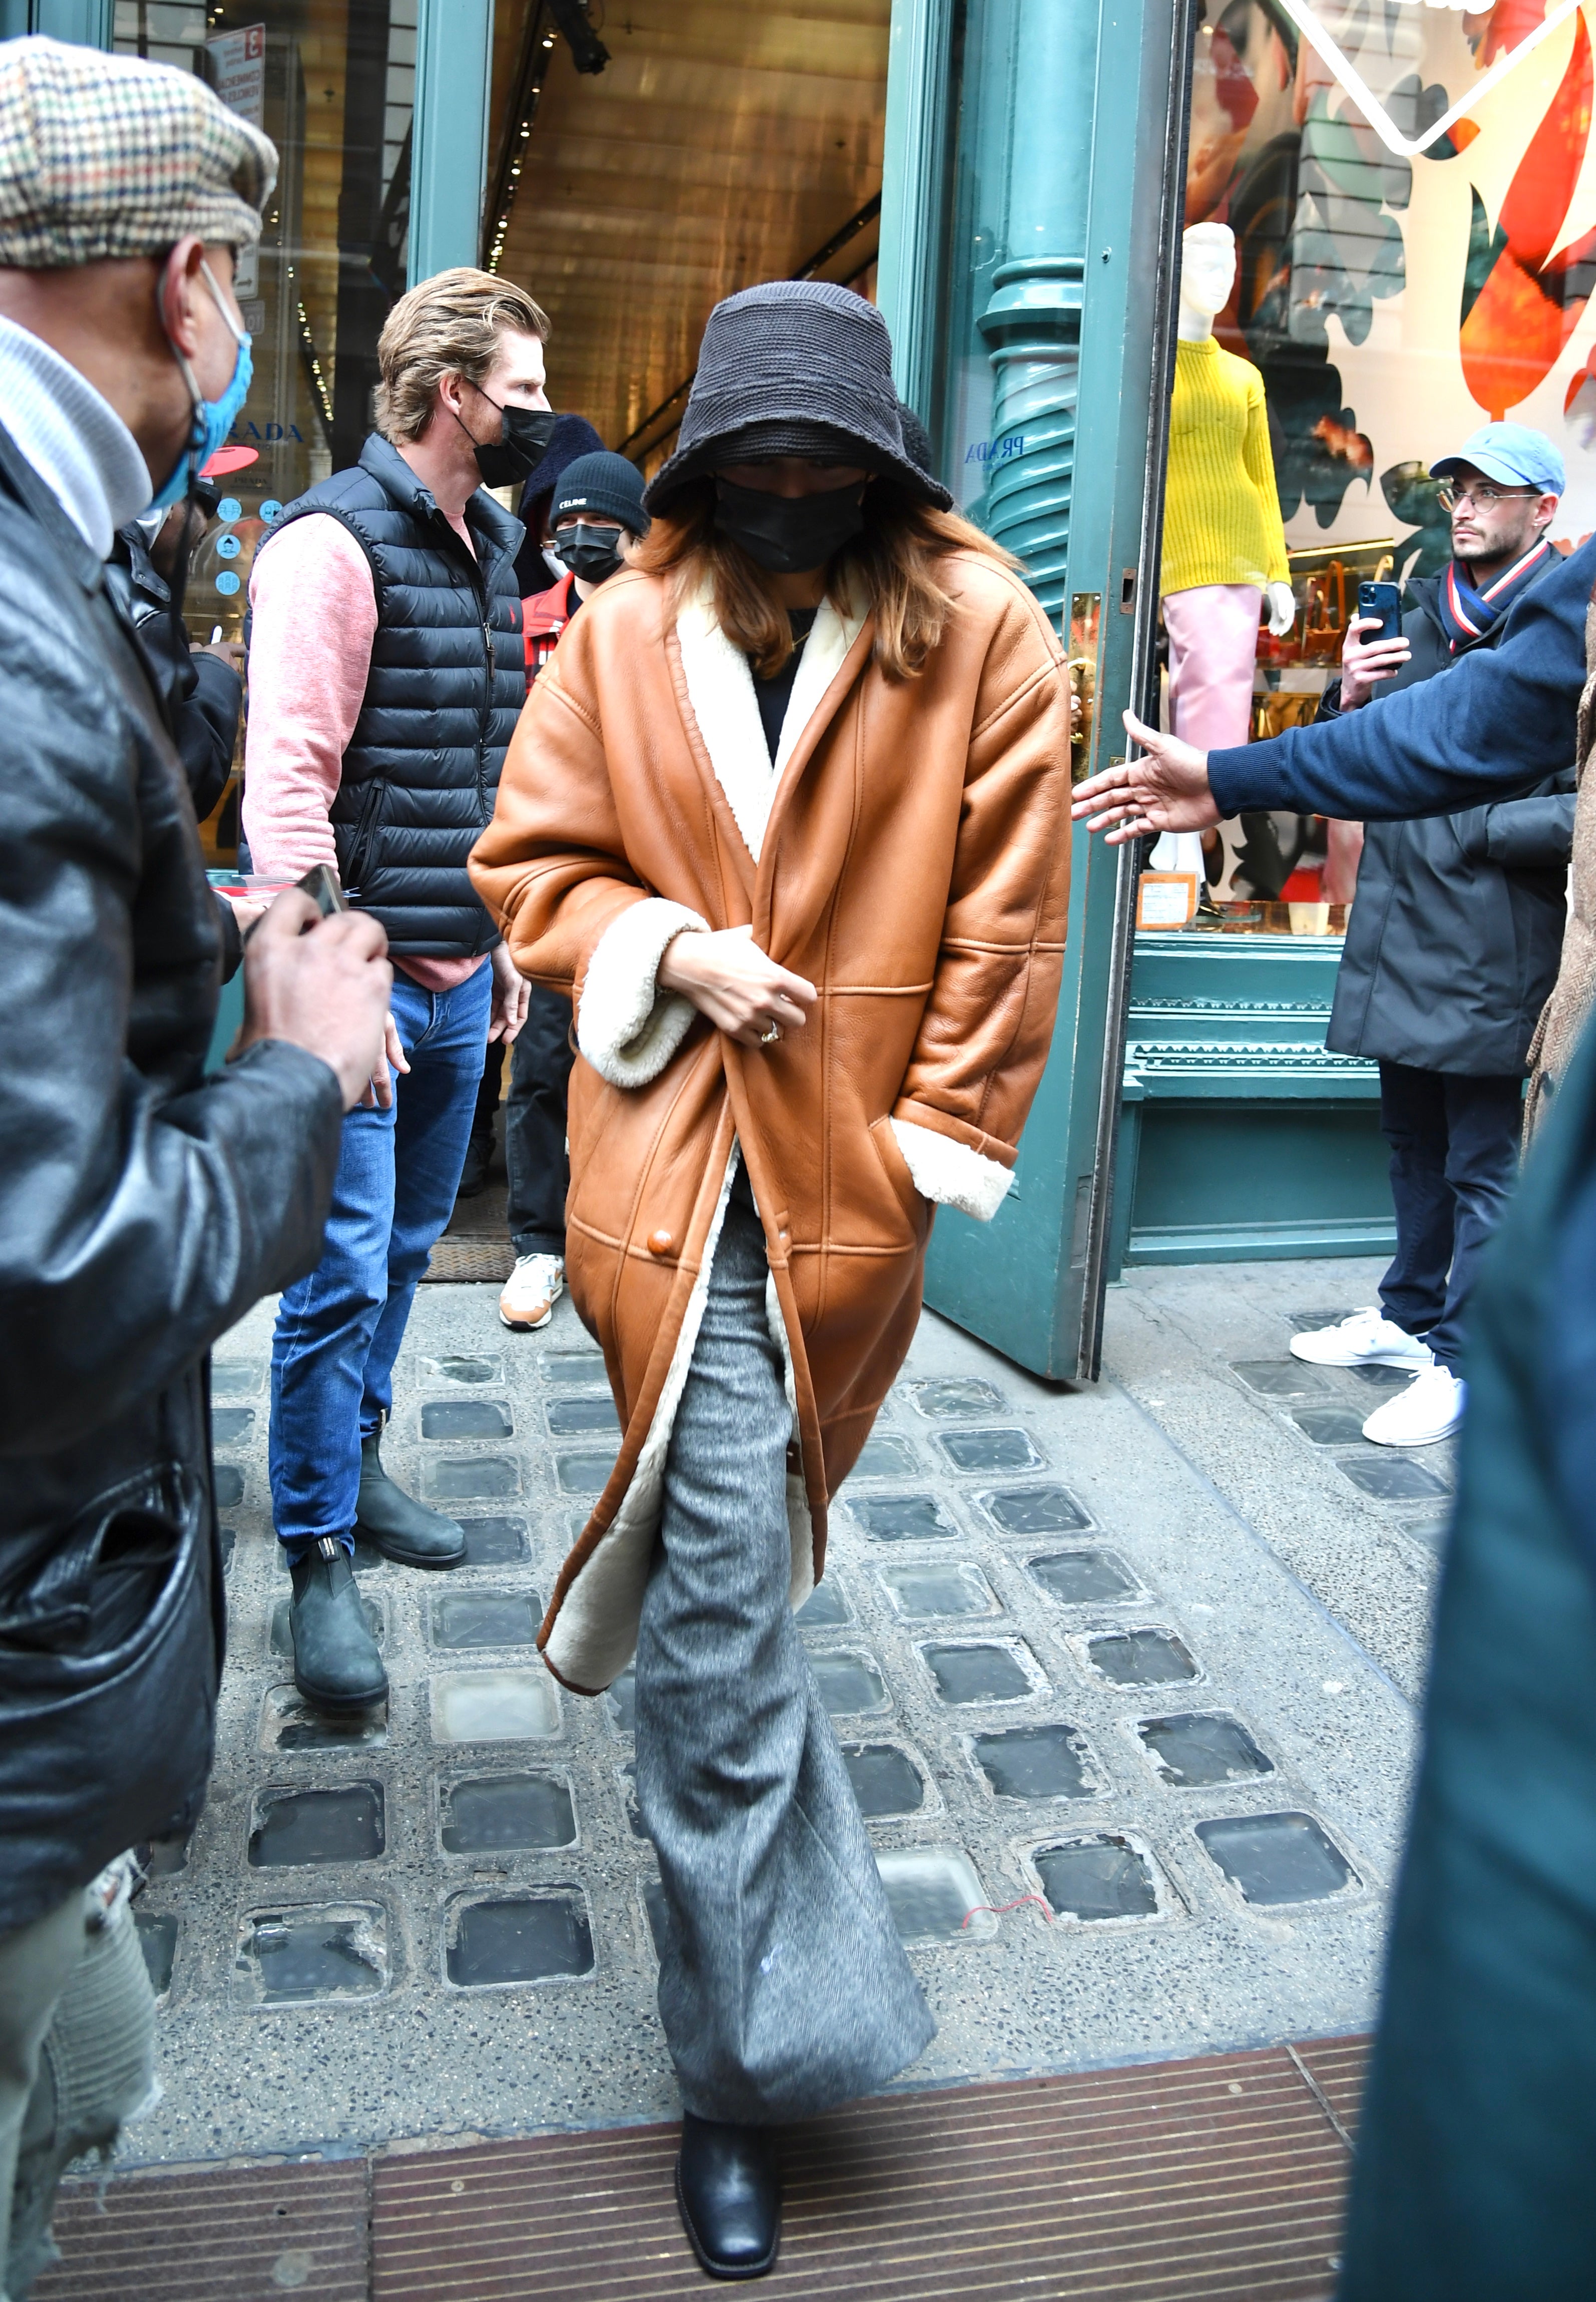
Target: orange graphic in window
(1521, 303)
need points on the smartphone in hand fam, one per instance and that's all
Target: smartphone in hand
(1384, 601)
(323, 890)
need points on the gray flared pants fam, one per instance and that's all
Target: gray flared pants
(783, 1988)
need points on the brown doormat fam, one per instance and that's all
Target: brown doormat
(1193, 2181)
(216, 2234)
(476, 1244)
(1218, 2177)
(454, 1260)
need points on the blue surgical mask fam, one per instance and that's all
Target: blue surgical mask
(213, 419)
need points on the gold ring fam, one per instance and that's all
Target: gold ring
(768, 1038)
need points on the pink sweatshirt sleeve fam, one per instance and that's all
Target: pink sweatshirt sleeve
(314, 620)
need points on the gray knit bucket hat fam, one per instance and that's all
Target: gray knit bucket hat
(795, 367)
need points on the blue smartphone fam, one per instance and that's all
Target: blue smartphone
(1384, 601)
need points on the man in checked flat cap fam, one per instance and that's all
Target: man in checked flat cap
(143, 1207)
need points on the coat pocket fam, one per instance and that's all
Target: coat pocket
(109, 1663)
(896, 1168)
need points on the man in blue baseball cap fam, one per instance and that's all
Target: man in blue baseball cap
(1452, 947)
(1502, 489)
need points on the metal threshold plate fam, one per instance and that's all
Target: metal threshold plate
(1221, 2168)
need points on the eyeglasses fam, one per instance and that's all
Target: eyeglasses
(1479, 492)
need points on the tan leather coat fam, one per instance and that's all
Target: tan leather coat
(913, 865)
(1563, 1018)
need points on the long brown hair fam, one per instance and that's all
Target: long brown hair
(894, 559)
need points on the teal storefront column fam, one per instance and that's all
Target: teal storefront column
(1032, 320)
(1043, 152)
(448, 149)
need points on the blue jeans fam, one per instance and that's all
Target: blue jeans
(339, 1330)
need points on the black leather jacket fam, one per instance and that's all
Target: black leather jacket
(143, 1208)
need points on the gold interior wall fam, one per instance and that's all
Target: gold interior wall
(723, 144)
(323, 62)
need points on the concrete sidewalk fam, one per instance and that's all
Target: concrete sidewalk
(1125, 1672)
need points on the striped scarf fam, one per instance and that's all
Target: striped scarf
(1467, 614)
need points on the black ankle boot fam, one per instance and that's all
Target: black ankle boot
(403, 1530)
(336, 1663)
(729, 2195)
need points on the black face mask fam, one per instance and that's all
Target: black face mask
(787, 535)
(592, 553)
(522, 443)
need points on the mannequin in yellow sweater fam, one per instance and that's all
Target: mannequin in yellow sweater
(1225, 546)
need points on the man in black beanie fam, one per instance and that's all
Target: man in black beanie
(594, 510)
(572, 436)
(537, 568)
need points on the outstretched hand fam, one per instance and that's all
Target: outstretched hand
(1164, 790)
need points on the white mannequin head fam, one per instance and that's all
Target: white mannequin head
(1208, 275)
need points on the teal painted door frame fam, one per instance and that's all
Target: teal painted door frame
(1049, 216)
(86, 22)
(916, 175)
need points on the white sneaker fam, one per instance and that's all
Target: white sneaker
(1430, 1409)
(1364, 1338)
(532, 1291)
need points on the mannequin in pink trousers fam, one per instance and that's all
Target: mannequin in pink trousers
(1225, 546)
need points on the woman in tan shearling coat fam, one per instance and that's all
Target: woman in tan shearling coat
(788, 814)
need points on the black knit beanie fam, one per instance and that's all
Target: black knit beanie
(795, 367)
(603, 487)
(572, 436)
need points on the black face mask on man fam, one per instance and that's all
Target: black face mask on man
(591, 552)
(523, 440)
(787, 535)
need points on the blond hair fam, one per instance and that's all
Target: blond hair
(896, 560)
(450, 325)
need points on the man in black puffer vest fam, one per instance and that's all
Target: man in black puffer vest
(387, 674)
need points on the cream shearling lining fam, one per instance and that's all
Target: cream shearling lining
(720, 690)
(951, 1173)
(596, 1631)
(626, 1027)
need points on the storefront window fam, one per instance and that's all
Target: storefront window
(332, 84)
(1411, 194)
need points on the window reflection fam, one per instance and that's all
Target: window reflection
(333, 83)
(1390, 305)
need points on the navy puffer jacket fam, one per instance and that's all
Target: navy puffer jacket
(1453, 943)
(447, 683)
